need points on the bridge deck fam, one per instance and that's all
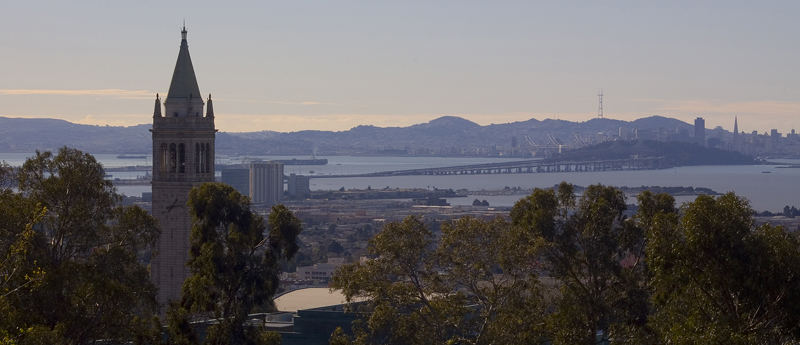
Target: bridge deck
(526, 166)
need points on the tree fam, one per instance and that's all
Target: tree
(717, 278)
(592, 251)
(77, 269)
(335, 247)
(6, 176)
(484, 261)
(471, 287)
(234, 267)
(19, 271)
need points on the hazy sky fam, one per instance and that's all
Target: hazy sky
(332, 65)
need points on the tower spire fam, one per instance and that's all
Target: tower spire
(157, 109)
(183, 98)
(209, 107)
(183, 31)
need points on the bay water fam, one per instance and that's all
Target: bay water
(768, 187)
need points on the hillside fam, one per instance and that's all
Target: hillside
(675, 153)
(444, 135)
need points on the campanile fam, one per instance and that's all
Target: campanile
(183, 156)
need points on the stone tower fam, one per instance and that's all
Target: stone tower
(183, 156)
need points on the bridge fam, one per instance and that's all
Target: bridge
(525, 166)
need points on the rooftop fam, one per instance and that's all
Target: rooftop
(309, 298)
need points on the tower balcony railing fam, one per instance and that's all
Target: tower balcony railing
(184, 123)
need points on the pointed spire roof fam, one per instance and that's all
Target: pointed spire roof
(157, 109)
(209, 107)
(184, 82)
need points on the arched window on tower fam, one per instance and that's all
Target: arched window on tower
(163, 156)
(172, 158)
(197, 156)
(181, 158)
(207, 153)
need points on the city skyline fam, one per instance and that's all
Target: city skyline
(288, 67)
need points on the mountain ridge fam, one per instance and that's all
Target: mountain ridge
(442, 135)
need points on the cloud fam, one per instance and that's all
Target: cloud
(119, 93)
(279, 102)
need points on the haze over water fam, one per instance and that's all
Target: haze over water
(766, 191)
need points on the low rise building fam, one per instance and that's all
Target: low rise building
(299, 186)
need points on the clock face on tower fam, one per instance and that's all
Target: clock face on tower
(173, 205)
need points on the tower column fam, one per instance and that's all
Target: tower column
(183, 157)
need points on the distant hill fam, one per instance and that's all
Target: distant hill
(675, 153)
(28, 135)
(444, 135)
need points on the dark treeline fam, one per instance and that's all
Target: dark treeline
(74, 261)
(575, 270)
(561, 269)
(788, 211)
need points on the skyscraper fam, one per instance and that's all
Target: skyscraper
(700, 131)
(266, 183)
(183, 156)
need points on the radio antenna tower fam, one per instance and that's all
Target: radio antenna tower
(600, 106)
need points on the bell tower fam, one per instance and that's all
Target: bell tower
(183, 156)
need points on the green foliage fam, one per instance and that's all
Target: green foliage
(339, 337)
(451, 291)
(717, 278)
(592, 251)
(575, 270)
(234, 266)
(73, 269)
(6, 176)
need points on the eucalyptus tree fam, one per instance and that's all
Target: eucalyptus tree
(594, 253)
(718, 278)
(74, 260)
(471, 286)
(234, 266)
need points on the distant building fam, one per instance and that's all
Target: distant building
(646, 134)
(700, 131)
(303, 317)
(623, 133)
(774, 133)
(319, 273)
(299, 186)
(309, 316)
(238, 178)
(266, 183)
